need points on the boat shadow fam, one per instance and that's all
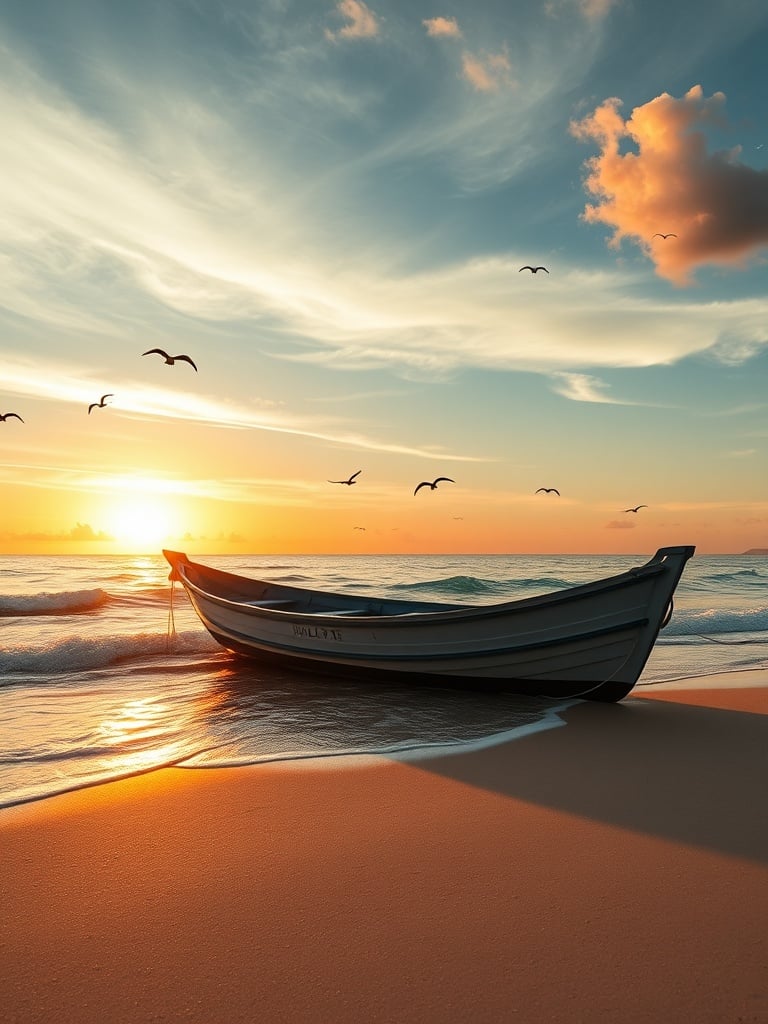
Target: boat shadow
(681, 772)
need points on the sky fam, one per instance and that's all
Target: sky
(326, 206)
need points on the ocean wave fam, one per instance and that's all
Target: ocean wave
(741, 578)
(67, 602)
(79, 654)
(473, 585)
(717, 620)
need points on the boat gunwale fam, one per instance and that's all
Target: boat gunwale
(629, 578)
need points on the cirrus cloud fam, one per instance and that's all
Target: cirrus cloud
(715, 205)
(361, 21)
(487, 72)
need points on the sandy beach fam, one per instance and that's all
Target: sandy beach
(614, 868)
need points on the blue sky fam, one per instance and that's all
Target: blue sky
(327, 206)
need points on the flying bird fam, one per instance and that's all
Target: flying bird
(170, 360)
(533, 270)
(433, 484)
(347, 482)
(5, 415)
(549, 490)
(100, 404)
(636, 508)
(660, 235)
(359, 528)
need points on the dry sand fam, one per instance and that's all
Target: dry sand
(614, 869)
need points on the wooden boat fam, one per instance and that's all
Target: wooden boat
(590, 641)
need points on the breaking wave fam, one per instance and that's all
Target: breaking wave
(78, 654)
(67, 602)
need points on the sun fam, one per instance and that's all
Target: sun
(140, 523)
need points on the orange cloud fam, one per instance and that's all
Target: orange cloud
(442, 27)
(362, 22)
(716, 206)
(488, 72)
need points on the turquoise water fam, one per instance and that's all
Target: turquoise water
(94, 685)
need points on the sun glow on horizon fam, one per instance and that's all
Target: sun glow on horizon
(140, 522)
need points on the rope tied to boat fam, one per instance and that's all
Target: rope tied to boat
(171, 627)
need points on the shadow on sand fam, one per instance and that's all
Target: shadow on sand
(680, 772)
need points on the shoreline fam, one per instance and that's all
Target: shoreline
(730, 680)
(615, 868)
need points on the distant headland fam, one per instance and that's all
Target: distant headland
(756, 551)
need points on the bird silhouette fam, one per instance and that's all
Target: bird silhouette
(636, 508)
(347, 482)
(433, 484)
(359, 528)
(660, 235)
(5, 415)
(533, 270)
(170, 360)
(549, 490)
(100, 404)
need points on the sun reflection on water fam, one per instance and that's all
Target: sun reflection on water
(140, 734)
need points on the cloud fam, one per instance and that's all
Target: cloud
(442, 27)
(49, 380)
(593, 10)
(739, 453)
(580, 387)
(487, 72)
(669, 183)
(596, 9)
(362, 22)
(83, 531)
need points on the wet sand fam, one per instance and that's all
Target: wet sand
(614, 868)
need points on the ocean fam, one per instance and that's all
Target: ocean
(105, 670)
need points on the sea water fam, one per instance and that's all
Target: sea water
(105, 670)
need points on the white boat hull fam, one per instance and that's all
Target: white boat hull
(591, 640)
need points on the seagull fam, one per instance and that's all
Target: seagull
(347, 482)
(359, 528)
(660, 235)
(99, 405)
(4, 416)
(636, 508)
(433, 485)
(533, 270)
(170, 360)
(549, 490)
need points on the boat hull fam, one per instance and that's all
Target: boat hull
(588, 641)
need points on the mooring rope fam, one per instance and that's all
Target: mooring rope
(171, 628)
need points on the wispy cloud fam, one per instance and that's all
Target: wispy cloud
(580, 387)
(99, 240)
(442, 27)
(362, 23)
(591, 10)
(714, 206)
(740, 453)
(133, 398)
(487, 72)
